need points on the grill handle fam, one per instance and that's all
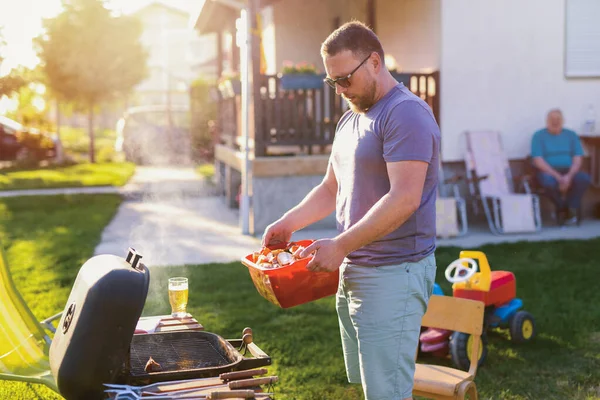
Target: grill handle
(259, 358)
(133, 257)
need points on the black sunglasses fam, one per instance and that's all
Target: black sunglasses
(344, 81)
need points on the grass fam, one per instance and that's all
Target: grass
(49, 238)
(79, 175)
(555, 281)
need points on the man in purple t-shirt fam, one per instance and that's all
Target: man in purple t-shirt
(381, 181)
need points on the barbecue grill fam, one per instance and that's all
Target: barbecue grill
(95, 342)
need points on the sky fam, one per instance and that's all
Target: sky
(21, 21)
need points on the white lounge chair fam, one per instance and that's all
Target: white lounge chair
(491, 183)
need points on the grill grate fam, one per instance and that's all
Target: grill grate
(175, 353)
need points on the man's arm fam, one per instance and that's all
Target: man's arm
(575, 166)
(407, 179)
(318, 203)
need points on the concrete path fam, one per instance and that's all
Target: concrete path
(172, 218)
(61, 191)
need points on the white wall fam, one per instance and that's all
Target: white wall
(293, 30)
(409, 30)
(502, 68)
(302, 25)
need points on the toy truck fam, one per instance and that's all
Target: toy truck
(472, 278)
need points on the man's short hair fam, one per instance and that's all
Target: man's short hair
(354, 36)
(554, 110)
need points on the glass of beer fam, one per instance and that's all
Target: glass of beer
(178, 296)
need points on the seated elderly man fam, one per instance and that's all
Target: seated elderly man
(557, 155)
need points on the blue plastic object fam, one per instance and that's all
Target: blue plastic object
(506, 311)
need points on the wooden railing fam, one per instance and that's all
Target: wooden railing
(302, 120)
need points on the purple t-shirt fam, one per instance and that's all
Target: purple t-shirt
(399, 127)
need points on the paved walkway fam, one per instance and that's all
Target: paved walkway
(171, 217)
(52, 192)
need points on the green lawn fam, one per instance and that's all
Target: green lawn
(86, 174)
(49, 238)
(555, 280)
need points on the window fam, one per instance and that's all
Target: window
(582, 38)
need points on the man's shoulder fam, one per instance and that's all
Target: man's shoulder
(402, 96)
(540, 133)
(570, 132)
(404, 102)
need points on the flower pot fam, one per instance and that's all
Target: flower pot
(301, 81)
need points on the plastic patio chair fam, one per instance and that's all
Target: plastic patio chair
(24, 343)
(492, 184)
(450, 210)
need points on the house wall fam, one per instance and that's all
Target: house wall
(502, 68)
(174, 54)
(300, 26)
(409, 30)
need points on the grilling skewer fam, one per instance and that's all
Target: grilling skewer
(164, 387)
(241, 384)
(199, 395)
(232, 385)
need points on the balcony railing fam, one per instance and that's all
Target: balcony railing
(302, 121)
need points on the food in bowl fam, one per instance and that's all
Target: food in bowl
(276, 258)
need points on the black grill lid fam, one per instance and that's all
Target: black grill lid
(92, 341)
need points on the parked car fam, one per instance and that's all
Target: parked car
(18, 143)
(154, 134)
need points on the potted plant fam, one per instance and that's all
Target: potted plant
(230, 85)
(300, 76)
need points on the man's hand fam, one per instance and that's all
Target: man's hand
(277, 232)
(328, 255)
(564, 183)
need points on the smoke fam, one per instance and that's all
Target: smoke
(161, 194)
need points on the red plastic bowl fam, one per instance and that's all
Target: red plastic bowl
(293, 284)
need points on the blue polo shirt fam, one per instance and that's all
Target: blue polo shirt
(556, 150)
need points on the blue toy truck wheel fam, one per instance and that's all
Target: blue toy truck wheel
(460, 350)
(522, 327)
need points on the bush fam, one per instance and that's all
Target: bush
(204, 113)
(106, 154)
(76, 143)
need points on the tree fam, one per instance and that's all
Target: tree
(90, 56)
(31, 99)
(13, 81)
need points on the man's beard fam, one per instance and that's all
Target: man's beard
(362, 104)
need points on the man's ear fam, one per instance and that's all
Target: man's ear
(376, 60)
